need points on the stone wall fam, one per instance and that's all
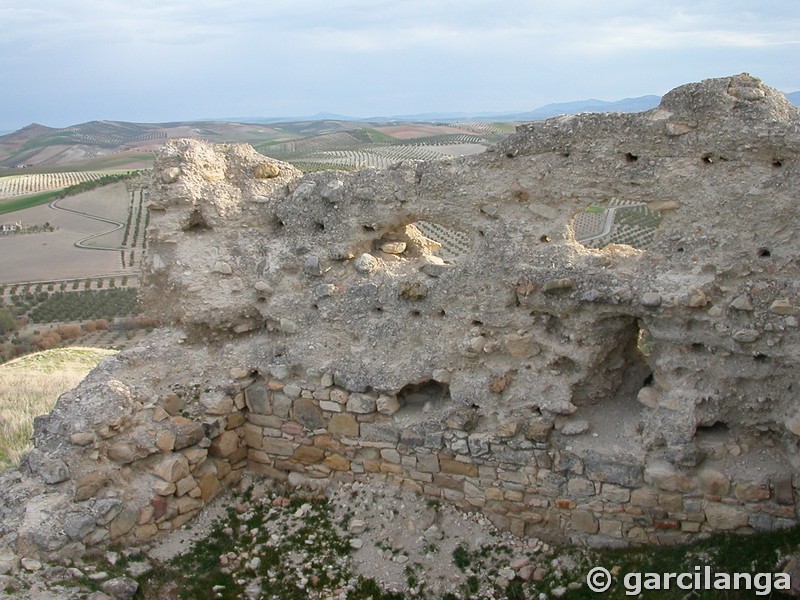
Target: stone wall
(607, 396)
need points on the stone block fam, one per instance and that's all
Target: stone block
(361, 404)
(443, 481)
(584, 521)
(281, 404)
(88, 485)
(172, 467)
(271, 421)
(306, 412)
(124, 523)
(615, 493)
(712, 481)
(236, 420)
(174, 404)
(224, 445)
(343, 425)
(380, 432)
(278, 446)
(387, 405)
(121, 452)
(619, 473)
(428, 463)
(665, 477)
(751, 491)
(307, 455)
(185, 485)
(724, 517)
(390, 455)
(187, 432)
(644, 497)
(782, 491)
(216, 402)
(253, 435)
(610, 528)
(165, 441)
(337, 462)
(580, 487)
(454, 467)
(257, 398)
(209, 487)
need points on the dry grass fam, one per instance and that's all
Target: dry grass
(30, 386)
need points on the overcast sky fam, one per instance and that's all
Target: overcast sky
(63, 62)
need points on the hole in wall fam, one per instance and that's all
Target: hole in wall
(545, 239)
(777, 163)
(707, 159)
(319, 226)
(760, 357)
(715, 428)
(423, 397)
(368, 227)
(448, 244)
(616, 222)
(196, 223)
(565, 154)
(415, 313)
(764, 253)
(622, 371)
(630, 157)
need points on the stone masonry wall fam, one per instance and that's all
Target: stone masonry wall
(312, 333)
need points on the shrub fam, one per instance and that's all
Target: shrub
(7, 322)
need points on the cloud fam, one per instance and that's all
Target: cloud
(146, 59)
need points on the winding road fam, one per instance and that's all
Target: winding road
(82, 242)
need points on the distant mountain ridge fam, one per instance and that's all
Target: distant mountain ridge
(638, 104)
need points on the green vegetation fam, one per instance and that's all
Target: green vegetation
(76, 306)
(14, 204)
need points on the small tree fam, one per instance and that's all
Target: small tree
(7, 322)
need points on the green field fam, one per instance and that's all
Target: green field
(14, 204)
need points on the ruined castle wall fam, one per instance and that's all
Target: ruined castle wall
(607, 396)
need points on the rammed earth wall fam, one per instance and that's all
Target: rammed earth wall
(608, 396)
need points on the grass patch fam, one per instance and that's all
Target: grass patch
(15, 204)
(30, 386)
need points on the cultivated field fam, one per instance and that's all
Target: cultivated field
(99, 232)
(23, 185)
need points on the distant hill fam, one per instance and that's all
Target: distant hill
(639, 104)
(100, 145)
(113, 144)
